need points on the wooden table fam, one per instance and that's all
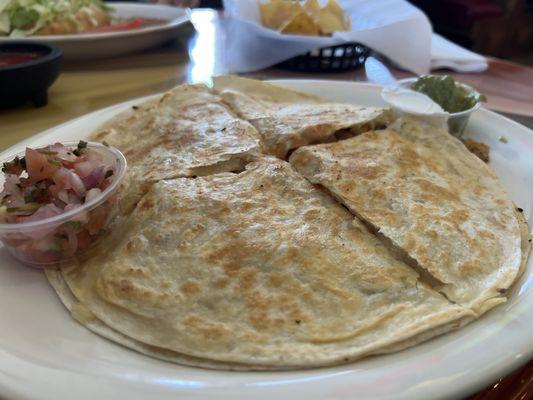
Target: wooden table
(196, 57)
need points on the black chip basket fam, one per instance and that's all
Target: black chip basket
(342, 57)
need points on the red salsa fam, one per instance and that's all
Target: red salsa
(13, 58)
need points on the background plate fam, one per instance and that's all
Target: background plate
(107, 44)
(45, 354)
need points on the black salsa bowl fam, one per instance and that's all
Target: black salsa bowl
(27, 70)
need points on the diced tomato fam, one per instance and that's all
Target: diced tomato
(104, 185)
(84, 239)
(70, 245)
(98, 218)
(13, 242)
(14, 167)
(42, 257)
(118, 26)
(38, 166)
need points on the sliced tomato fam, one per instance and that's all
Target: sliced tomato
(118, 26)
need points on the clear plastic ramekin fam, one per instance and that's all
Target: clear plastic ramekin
(456, 121)
(22, 240)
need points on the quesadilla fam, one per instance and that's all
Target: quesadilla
(186, 132)
(257, 268)
(287, 119)
(433, 201)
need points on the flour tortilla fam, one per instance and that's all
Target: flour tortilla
(287, 119)
(424, 192)
(89, 320)
(525, 235)
(188, 131)
(257, 268)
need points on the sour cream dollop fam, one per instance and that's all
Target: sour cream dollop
(407, 101)
(410, 101)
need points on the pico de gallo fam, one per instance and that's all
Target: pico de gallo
(46, 183)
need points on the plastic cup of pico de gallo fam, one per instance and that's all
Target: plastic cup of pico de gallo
(59, 201)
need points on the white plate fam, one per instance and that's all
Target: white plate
(45, 354)
(111, 44)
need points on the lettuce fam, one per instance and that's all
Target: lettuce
(5, 25)
(21, 18)
(24, 17)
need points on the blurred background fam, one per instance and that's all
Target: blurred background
(498, 28)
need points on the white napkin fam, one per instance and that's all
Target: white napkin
(394, 28)
(446, 54)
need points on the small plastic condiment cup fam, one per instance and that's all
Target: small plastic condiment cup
(456, 121)
(22, 239)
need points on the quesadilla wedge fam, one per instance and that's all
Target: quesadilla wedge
(257, 268)
(432, 200)
(186, 132)
(287, 119)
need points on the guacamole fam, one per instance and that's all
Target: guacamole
(444, 91)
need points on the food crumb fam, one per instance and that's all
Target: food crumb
(502, 139)
(481, 150)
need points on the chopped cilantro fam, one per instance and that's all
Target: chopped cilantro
(55, 245)
(81, 145)
(55, 163)
(30, 197)
(72, 225)
(47, 152)
(29, 207)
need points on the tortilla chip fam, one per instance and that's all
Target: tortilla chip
(329, 23)
(276, 13)
(310, 19)
(312, 8)
(332, 7)
(301, 24)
